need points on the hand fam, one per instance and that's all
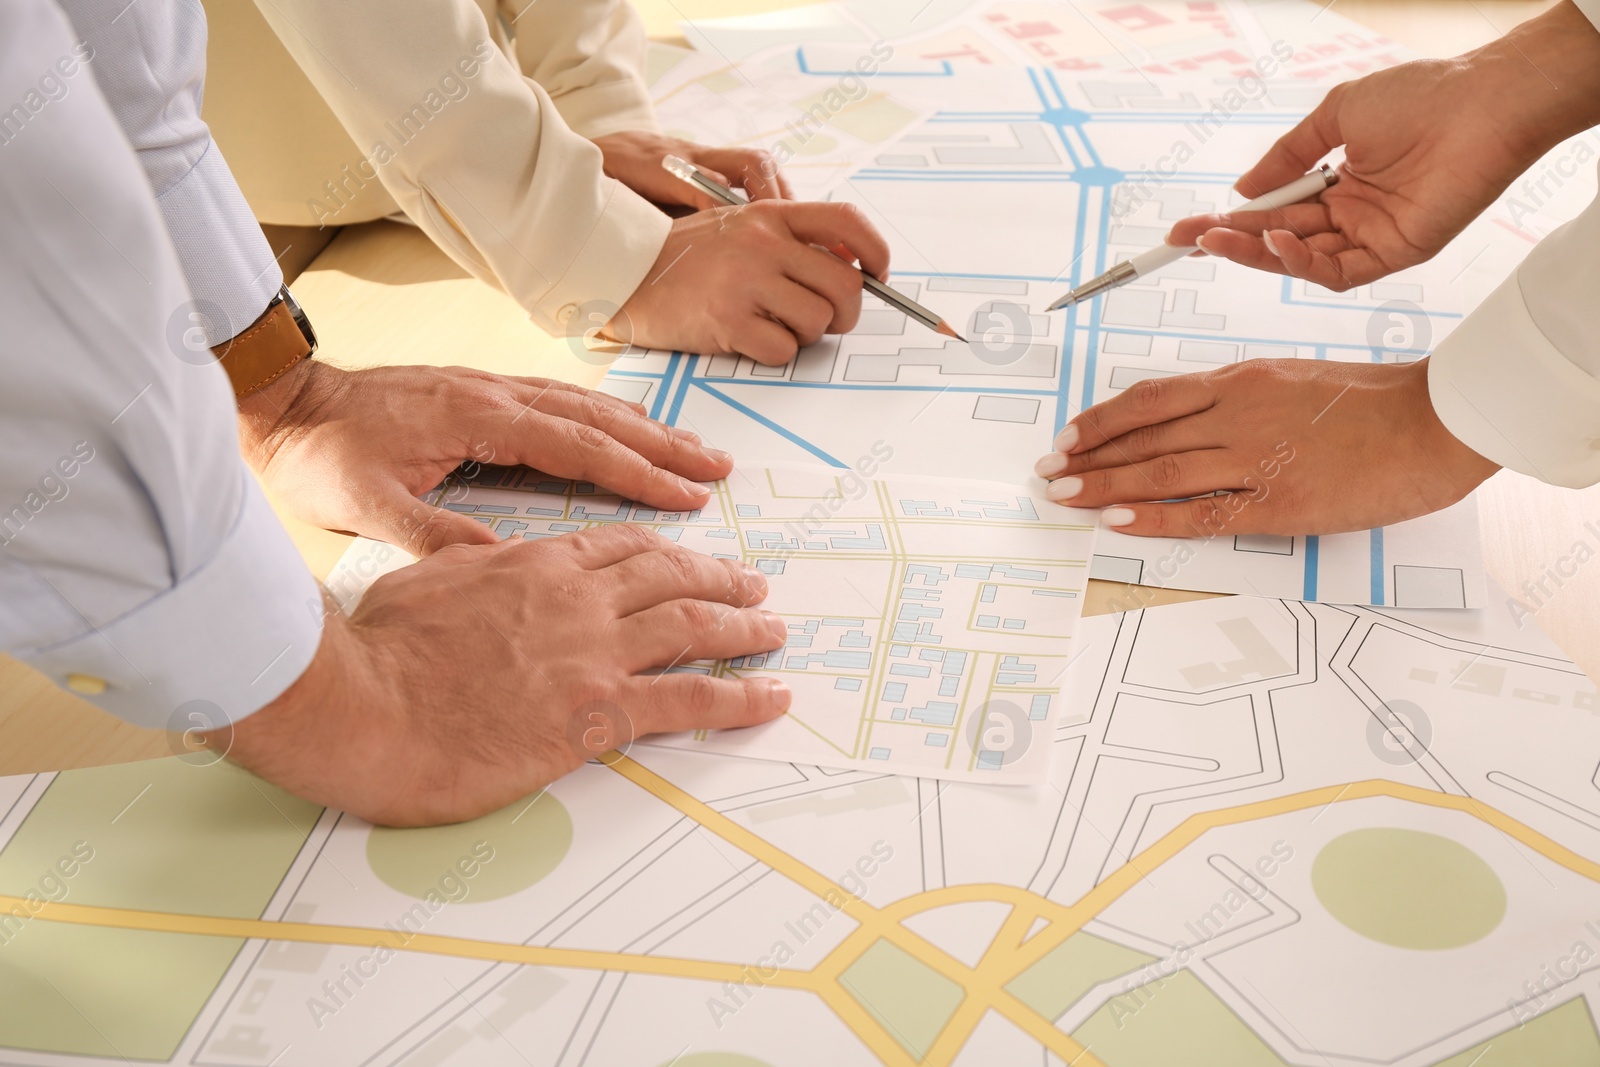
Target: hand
(1428, 146)
(484, 673)
(634, 159)
(1297, 446)
(748, 280)
(352, 450)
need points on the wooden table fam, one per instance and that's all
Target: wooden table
(382, 293)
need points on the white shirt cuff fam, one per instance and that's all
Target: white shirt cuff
(1591, 11)
(1505, 391)
(235, 634)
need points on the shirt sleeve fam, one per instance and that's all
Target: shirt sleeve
(150, 64)
(589, 55)
(1519, 380)
(139, 562)
(474, 152)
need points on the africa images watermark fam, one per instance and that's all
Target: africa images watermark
(453, 886)
(1225, 508)
(53, 487)
(51, 88)
(454, 86)
(797, 932)
(1141, 185)
(1142, 986)
(53, 886)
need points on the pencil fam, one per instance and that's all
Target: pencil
(682, 169)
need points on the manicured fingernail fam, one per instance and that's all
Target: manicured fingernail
(775, 623)
(1115, 517)
(1067, 439)
(715, 455)
(683, 435)
(1052, 466)
(1266, 239)
(1064, 489)
(779, 693)
(1200, 243)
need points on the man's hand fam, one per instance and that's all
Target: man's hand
(1297, 446)
(634, 159)
(1428, 145)
(352, 450)
(750, 280)
(486, 672)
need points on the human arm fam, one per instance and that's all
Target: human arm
(497, 179)
(1428, 145)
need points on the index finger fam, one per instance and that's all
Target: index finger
(1304, 219)
(830, 225)
(1146, 403)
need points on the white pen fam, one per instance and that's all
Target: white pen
(1302, 188)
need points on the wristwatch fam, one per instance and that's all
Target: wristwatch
(269, 347)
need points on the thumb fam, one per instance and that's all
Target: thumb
(1296, 152)
(421, 529)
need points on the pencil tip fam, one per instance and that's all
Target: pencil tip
(945, 328)
(1063, 302)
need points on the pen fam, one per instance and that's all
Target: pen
(681, 168)
(1302, 188)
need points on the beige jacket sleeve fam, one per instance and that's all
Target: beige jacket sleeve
(589, 55)
(478, 155)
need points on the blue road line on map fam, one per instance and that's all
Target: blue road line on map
(786, 434)
(1377, 566)
(1310, 591)
(1288, 298)
(673, 362)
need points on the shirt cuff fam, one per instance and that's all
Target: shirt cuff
(1591, 11)
(226, 641)
(1506, 392)
(615, 259)
(225, 257)
(611, 107)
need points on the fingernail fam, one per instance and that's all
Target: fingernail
(779, 694)
(716, 455)
(775, 623)
(1067, 439)
(1064, 489)
(755, 582)
(1052, 466)
(1200, 243)
(1266, 239)
(683, 435)
(1115, 517)
(694, 489)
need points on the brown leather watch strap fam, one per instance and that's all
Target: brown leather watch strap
(260, 355)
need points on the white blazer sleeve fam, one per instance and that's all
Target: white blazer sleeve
(1519, 380)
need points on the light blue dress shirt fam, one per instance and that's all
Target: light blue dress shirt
(135, 547)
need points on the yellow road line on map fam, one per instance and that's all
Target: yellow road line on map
(1006, 957)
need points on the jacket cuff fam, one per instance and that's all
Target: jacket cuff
(615, 259)
(1591, 11)
(234, 634)
(611, 107)
(1506, 392)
